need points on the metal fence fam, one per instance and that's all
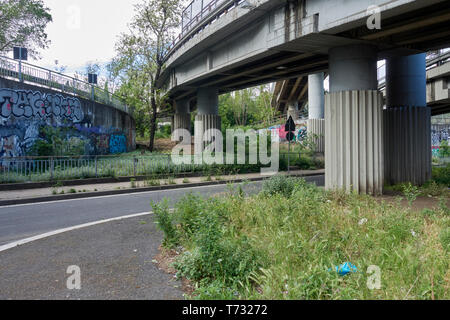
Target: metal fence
(29, 73)
(27, 169)
(36, 169)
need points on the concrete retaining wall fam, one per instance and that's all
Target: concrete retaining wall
(73, 125)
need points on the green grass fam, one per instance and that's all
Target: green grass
(284, 243)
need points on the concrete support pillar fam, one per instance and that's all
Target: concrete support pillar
(207, 117)
(316, 96)
(316, 130)
(316, 109)
(182, 117)
(292, 110)
(353, 122)
(407, 121)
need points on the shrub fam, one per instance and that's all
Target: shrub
(216, 256)
(279, 184)
(165, 222)
(410, 192)
(444, 149)
(442, 175)
(432, 188)
(305, 163)
(42, 148)
(187, 211)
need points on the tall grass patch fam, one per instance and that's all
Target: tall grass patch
(285, 243)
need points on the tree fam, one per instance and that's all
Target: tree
(246, 107)
(140, 60)
(22, 23)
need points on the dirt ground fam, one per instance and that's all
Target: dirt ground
(164, 260)
(161, 145)
(418, 205)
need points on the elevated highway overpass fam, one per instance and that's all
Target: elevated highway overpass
(231, 45)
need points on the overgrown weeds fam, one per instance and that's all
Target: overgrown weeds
(285, 242)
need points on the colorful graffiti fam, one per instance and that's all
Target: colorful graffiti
(437, 136)
(33, 122)
(10, 146)
(300, 132)
(117, 144)
(38, 106)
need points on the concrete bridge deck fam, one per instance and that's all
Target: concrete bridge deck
(277, 40)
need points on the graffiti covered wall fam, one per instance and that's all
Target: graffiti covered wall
(300, 131)
(439, 133)
(32, 116)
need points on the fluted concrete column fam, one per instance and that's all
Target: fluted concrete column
(207, 117)
(353, 122)
(407, 121)
(316, 110)
(182, 116)
(316, 130)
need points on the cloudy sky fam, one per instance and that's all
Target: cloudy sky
(84, 31)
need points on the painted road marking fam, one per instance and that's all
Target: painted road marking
(56, 232)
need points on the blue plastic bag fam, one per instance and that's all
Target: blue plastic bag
(346, 268)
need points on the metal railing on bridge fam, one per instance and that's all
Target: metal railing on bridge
(29, 73)
(197, 15)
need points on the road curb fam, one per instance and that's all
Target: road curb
(136, 190)
(79, 182)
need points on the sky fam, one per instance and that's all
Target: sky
(84, 31)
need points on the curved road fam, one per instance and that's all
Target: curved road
(23, 221)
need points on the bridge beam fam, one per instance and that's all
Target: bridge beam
(316, 110)
(353, 122)
(407, 121)
(207, 117)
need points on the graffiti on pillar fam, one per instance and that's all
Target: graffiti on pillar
(38, 106)
(117, 144)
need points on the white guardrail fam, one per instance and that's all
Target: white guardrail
(29, 73)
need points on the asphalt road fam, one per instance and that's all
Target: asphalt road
(116, 260)
(23, 221)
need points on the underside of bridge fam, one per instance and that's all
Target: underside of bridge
(415, 31)
(363, 147)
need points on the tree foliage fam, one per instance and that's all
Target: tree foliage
(246, 107)
(140, 59)
(22, 23)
